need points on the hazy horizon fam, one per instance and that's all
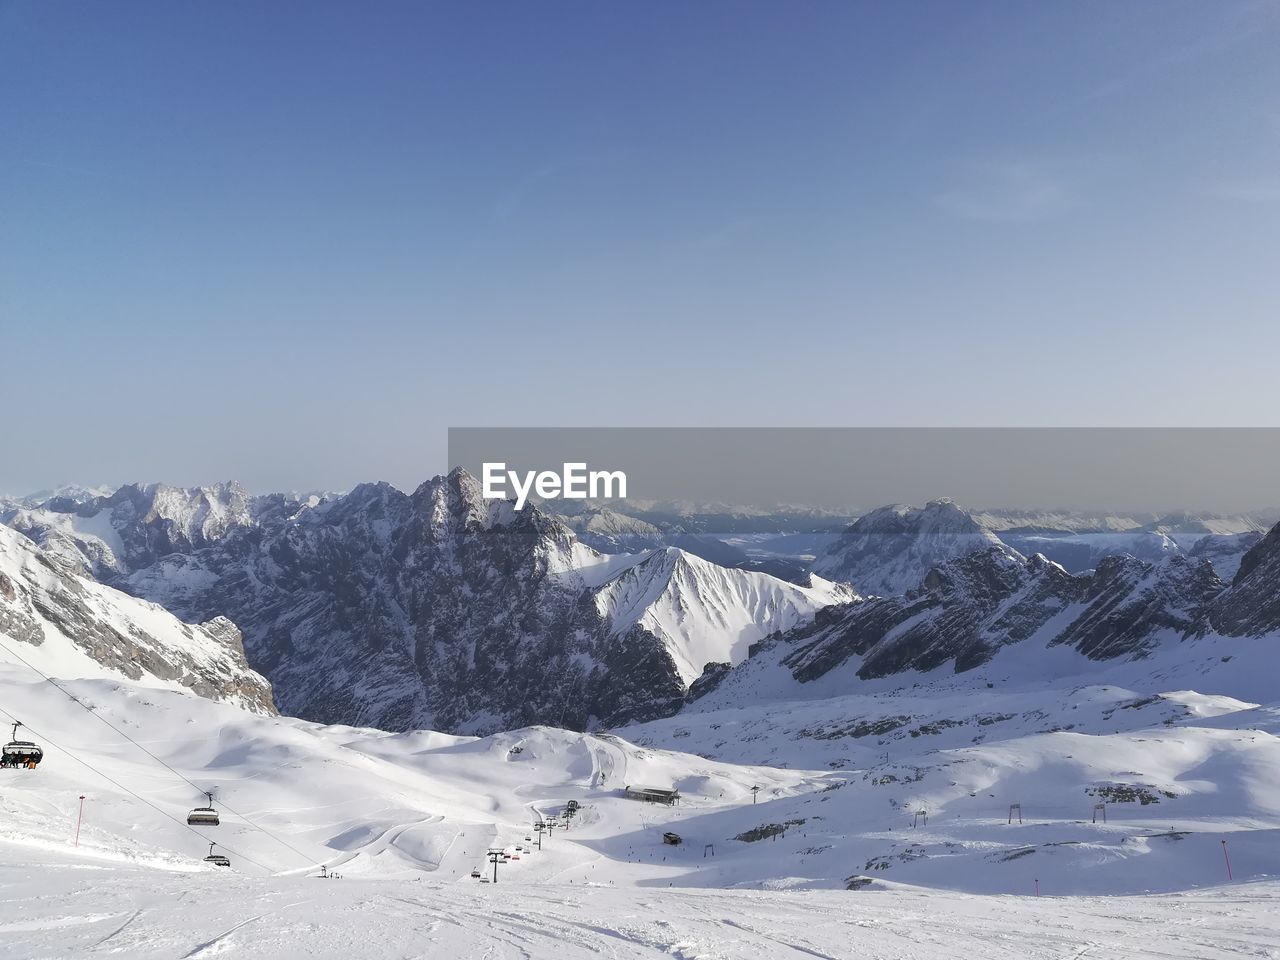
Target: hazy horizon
(851, 511)
(852, 470)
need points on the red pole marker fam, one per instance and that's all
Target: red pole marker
(1226, 858)
(80, 819)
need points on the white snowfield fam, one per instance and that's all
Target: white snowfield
(60, 907)
(407, 818)
(1042, 805)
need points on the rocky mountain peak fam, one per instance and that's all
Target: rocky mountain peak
(1251, 606)
(986, 566)
(78, 627)
(890, 550)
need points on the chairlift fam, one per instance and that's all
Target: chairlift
(203, 816)
(475, 874)
(217, 859)
(528, 839)
(20, 753)
(484, 879)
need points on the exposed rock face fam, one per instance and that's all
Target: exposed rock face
(1131, 605)
(1251, 606)
(887, 551)
(712, 676)
(71, 617)
(441, 609)
(963, 611)
(437, 609)
(967, 609)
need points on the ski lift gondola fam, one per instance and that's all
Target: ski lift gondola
(20, 753)
(203, 816)
(217, 859)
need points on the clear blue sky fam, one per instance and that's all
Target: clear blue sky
(292, 242)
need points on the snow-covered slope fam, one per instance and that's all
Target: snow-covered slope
(796, 797)
(898, 798)
(843, 780)
(932, 769)
(150, 915)
(366, 802)
(888, 551)
(705, 613)
(967, 610)
(71, 626)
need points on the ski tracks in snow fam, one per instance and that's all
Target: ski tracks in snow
(220, 943)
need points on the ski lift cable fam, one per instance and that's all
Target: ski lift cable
(199, 789)
(164, 813)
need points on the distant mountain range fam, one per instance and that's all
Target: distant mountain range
(437, 609)
(441, 609)
(791, 542)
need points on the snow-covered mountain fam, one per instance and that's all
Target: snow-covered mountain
(841, 758)
(706, 613)
(887, 551)
(112, 535)
(437, 609)
(1078, 552)
(69, 625)
(1191, 523)
(612, 532)
(441, 609)
(67, 493)
(968, 611)
(433, 609)
(1251, 606)
(1060, 522)
(1224, 551)
(1182, 522)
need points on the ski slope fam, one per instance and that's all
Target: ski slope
(880, 827)
(60, 905)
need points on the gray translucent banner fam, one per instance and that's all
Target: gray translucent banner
(849, 470)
